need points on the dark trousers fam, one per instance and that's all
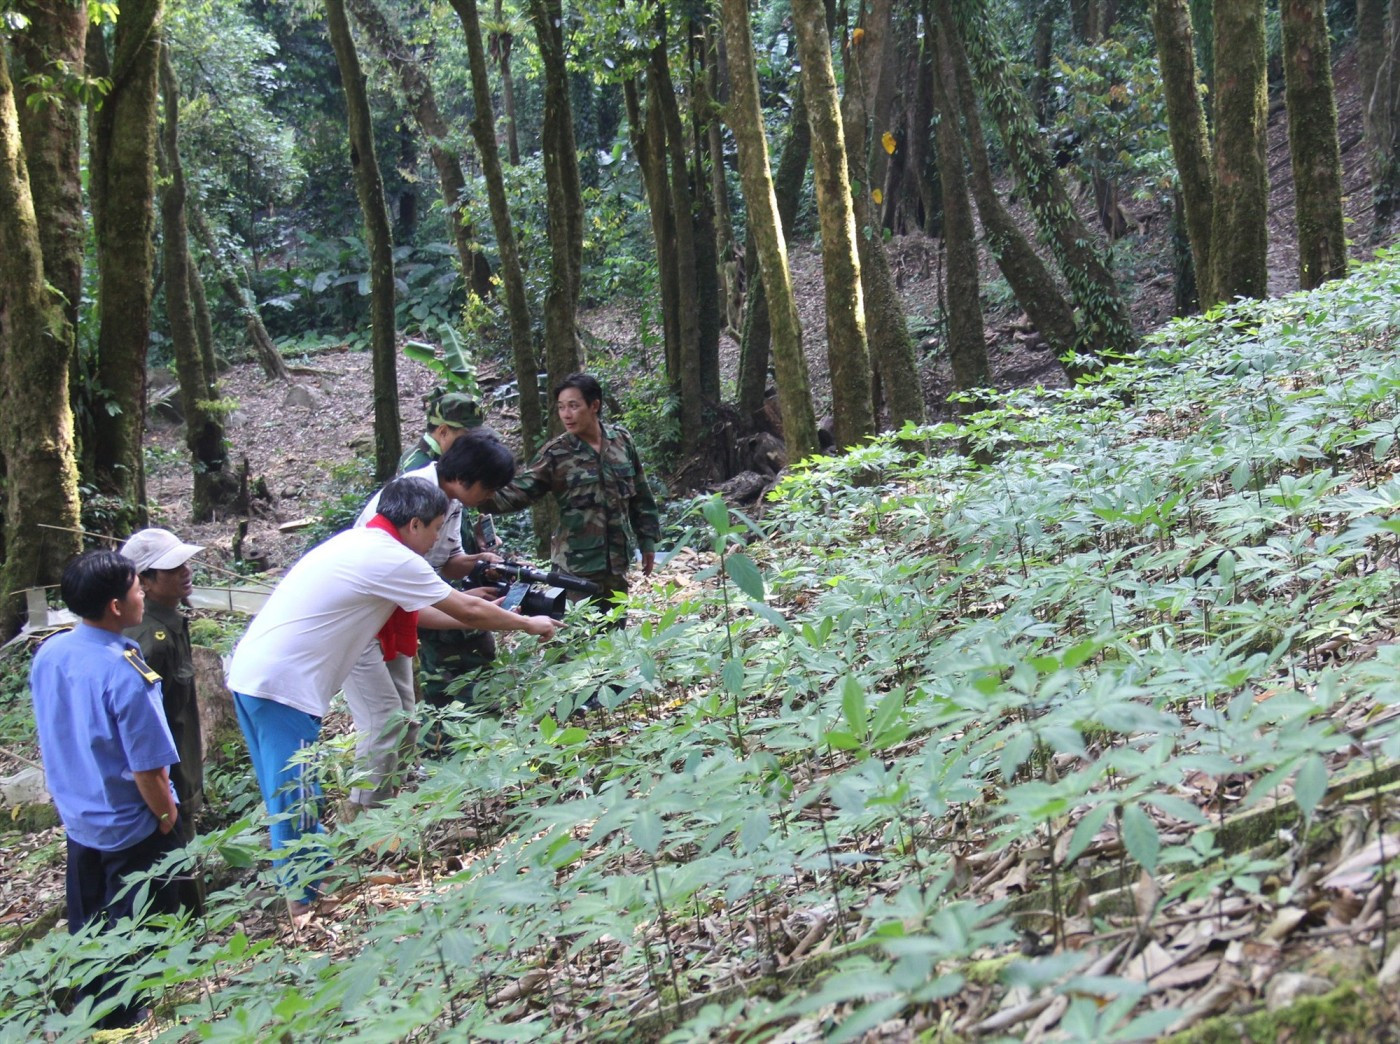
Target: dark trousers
(95, 886)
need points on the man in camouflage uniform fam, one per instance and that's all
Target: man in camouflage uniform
(162, 565)
(446, 655)
(596, 476)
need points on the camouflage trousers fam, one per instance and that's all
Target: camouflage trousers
(446, 656)
(609, 585)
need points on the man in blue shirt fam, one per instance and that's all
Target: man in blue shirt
(107, 752)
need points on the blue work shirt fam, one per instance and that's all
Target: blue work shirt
(100, 720)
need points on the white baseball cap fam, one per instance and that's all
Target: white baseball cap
(158, 549)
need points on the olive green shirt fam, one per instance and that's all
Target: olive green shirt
(164, 637)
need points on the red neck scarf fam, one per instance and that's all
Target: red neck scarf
(399, 635)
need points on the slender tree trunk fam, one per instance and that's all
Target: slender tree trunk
(787, 187)
(922, 167)
(746, 120)
(204, 430)
(1027, 274)
(1107, 327)
(1186, 126)
(199, 300)
(36, 424)
(687, 379)
(369, 187)
(565, 195)
(502, 40)
(421, 100)
(848, 353)
(648, 138)
(1371, 50)
(1312, 143)
(967, 346)
(269, 358)
(1239, 230)
(121, 179)
(532, 421)
(887, 331)
(711, 104)
(1385, 121)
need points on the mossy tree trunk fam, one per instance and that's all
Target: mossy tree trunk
(1239, 230)
(386, 38)
(967, 345)
(369, 188)
(1312, 143)
(787, 188)
(50, 51)
(746, 120)
(1028, 276)
(1105, 327)
(1370, 57)
(36, 424)
(1186, 126)
(204, 428)
(121, 181)
(848, 354)
(502, 42)
(710, 105)
(564, 193)
(887, 333)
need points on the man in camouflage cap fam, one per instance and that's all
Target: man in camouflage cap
(449, 414)
(446, 655)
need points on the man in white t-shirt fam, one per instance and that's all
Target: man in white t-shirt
(379, 689)
(320, 617)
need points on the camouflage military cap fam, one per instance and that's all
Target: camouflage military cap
(455, 409)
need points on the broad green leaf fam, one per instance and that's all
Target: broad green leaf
(742, 571)
(887, 711)
(755, 830)
(1015, 752)
(853, 705)
(1086, 830)
(1310, 784)
(733, 677)
(1140, 837)
(647, 831)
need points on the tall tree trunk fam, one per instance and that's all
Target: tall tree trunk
(787, 187)
(1312, 143)
(887, 331)
(204, 430)
(1027, 274)
(51, 50)
(746, 120)
(1107, 327)
(121, 180)
(920, 160)
(269, 358)
(686, 379)
(848, 353)
(369, 187)
(421, 99)
(1186, 126)
(1385, 119)
(36, 424)
(648, 136)
(532, 421)
(1371, 50)
(199, 300)
(967, 346)
(710, 103)
(533, 425)
(502, 40)
(1239, 230)
(565, 195)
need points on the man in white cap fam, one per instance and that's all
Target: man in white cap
(162, 563)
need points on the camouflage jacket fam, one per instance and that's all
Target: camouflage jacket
(600, 497)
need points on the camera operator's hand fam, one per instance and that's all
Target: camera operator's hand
(485, 556)
(491, 594)
(540, 626)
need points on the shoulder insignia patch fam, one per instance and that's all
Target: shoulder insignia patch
(160, 636)
(141, 667)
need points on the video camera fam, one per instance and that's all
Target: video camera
(530, 591)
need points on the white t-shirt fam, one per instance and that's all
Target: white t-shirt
(449, 541)
(327, 608)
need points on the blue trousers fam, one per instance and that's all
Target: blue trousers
(293, 797)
